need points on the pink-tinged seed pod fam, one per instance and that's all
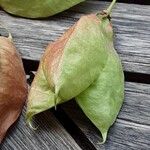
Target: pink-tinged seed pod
(13, 87)
(83, 65)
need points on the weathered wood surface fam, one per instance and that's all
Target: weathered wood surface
(131, 23)
(132, 127)
(50, 135)
(130, 131)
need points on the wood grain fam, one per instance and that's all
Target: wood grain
(131, 24)
(132, 127)
(50, 135)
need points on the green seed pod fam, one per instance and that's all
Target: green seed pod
(102, 101)
(36, 8)
(84, 65)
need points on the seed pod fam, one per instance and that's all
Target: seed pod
(13, 87)
(36, 8)
(82, 64)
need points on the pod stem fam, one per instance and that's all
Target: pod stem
(106, 13)
(109, 9)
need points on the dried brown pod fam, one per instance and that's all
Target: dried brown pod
(13, 87)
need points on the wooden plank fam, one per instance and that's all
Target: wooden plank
(49, 135)
(132, 127)
(131, 23)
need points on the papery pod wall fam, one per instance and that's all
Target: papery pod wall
(13, 87)
(83, 65)
(36, 8)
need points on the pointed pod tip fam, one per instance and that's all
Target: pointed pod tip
(5, 28)
(30, 124)
(10, 37)
(104, 137)
(56, 99)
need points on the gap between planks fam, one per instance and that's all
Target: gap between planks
(49, 135)
(121, 122)
(132, 128)
(31, 65)
(130, 21)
